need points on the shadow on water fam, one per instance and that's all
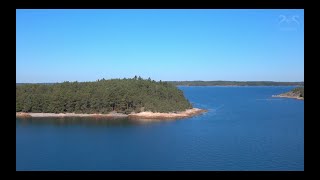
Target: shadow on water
(71, 121)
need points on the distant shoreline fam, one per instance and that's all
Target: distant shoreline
(142, 115)
(236, 85)
(213, 83)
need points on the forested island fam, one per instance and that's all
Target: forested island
(234, 83)
(136, 97)
(297, 93)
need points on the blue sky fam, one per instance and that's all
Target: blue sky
(86, 45)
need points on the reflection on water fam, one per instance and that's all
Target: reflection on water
(65, 121)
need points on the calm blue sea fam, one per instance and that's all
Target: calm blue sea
(244, 129)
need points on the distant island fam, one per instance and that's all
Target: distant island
(133, 97)
(234, 83)
(297, 93)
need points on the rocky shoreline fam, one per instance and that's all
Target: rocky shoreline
(113, 115)
(288, 96)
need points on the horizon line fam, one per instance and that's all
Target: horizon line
(168, 81)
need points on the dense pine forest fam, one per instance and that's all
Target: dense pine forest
(102, 96)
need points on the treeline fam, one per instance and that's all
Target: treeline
(219, 83)
(103, 96)
(234, 83)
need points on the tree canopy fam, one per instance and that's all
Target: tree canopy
(102, 96)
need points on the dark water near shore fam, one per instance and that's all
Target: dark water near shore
(244, 129)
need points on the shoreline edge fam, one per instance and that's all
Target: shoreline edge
(113, 115)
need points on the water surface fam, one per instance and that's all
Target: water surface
(244, 129)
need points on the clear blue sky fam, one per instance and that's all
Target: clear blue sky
(86, 45)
